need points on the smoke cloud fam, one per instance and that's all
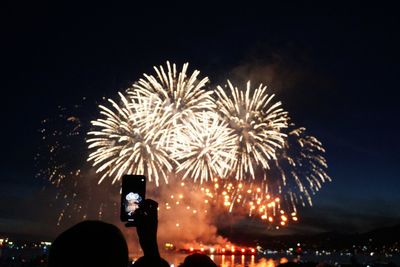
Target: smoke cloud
(185, 216)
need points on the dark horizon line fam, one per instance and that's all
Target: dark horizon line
(32, 237)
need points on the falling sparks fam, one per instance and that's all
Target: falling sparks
(62, 139)
(294, 177)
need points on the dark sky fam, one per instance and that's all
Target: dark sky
(334, 67)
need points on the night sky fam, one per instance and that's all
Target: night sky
(335, 68)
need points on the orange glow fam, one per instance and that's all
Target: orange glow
(283, 260)
(270, 263)
(243, 250)
(266, 206)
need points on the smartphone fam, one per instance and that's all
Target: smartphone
(132, 195)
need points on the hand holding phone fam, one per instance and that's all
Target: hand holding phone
(140, 213)
(146, 227)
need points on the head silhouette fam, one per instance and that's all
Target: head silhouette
(89, 243)
(198, 260)
(150, 262)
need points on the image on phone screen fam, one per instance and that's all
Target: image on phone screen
(132, 201)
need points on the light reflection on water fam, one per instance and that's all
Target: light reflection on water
(261, 261)
(230, 260)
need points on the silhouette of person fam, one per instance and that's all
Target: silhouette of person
(198, 260)
(89, 243)
(95, 243)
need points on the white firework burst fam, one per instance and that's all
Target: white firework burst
(177, 92)
(205, 148)
(131, 138)
(257, 121)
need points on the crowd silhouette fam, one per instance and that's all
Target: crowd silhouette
(100, 244)
(96, 243)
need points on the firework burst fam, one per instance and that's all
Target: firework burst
(177, 92)
(205, 148)
(298, 173)
(257, 122)
(237, 143)
(124, 142)
(300, 169)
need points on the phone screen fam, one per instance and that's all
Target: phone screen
(132, 195)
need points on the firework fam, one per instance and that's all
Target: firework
(239, 142)
(176, 92)
(248, 197)
(300, 168)
(124, 142)
(298, 172)
(205, 148)
(257, 122)
(71, 180)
